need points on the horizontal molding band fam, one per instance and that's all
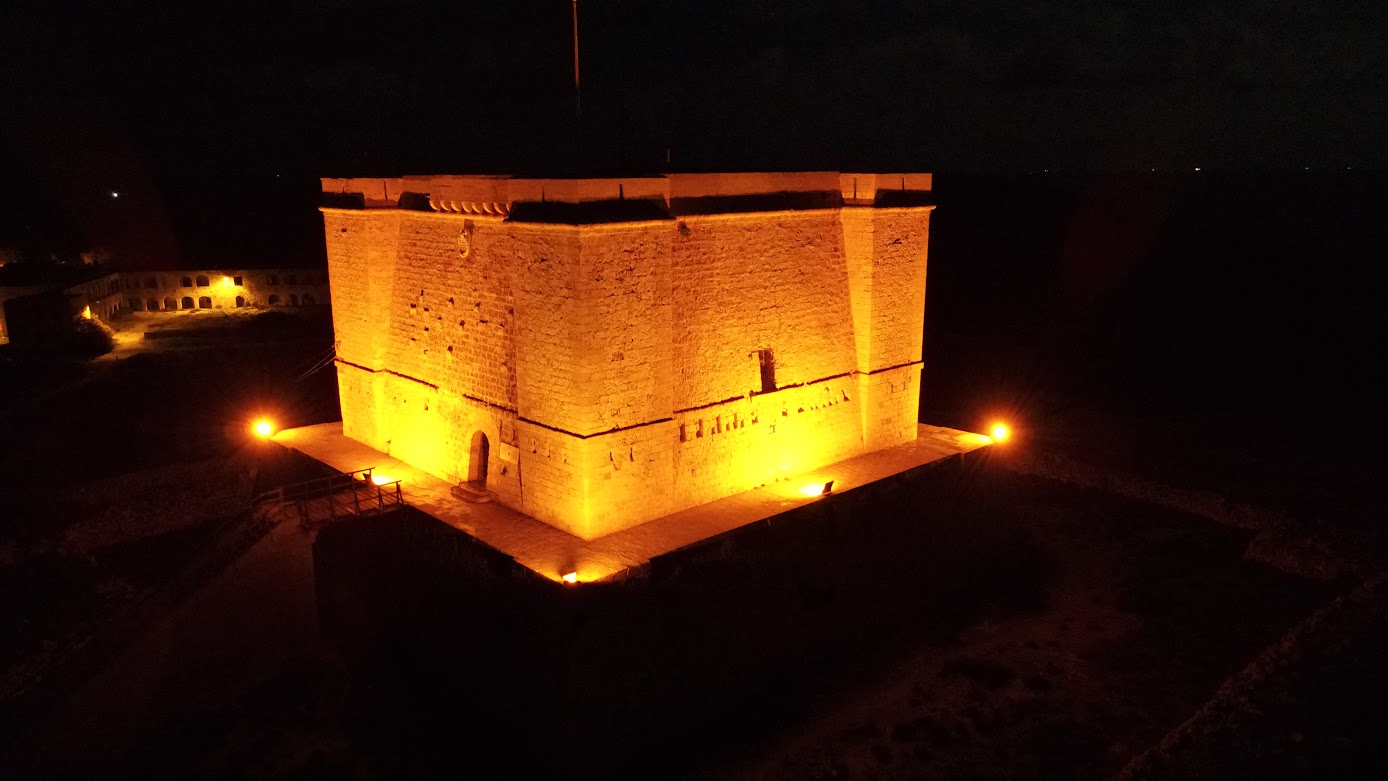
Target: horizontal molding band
(620, 429)
(754, 394)
(575, 435)
(429, 385)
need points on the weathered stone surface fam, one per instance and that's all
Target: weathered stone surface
(615, 369)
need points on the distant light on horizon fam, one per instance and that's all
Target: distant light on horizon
(571, 577)
(115, 194)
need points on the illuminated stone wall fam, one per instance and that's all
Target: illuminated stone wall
(100, 296)
(608, 337)
(224, 288)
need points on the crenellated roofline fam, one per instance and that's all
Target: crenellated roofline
(583, 200)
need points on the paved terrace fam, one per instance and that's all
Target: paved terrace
(553, 553)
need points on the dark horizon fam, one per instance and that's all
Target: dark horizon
(168, 108)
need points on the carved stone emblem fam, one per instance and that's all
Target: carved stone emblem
(465, 240)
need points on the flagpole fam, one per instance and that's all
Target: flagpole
(578, 87)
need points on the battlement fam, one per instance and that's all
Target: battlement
(676, 194)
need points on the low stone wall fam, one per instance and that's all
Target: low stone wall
(603, 673)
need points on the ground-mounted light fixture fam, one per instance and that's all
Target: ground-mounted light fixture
(382, 479)
(263, 428)
(226, 282)
(1000, 432)
(817, 489)
(570, 577)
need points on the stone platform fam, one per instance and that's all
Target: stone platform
(554, 553)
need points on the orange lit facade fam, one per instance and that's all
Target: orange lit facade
(184, 291)
(597, 353)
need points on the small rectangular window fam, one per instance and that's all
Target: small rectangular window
(237, 281)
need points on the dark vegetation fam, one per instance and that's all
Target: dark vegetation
(118, 473)
(85, 339)
(971, 623)
(1209, 330)
(158, 406)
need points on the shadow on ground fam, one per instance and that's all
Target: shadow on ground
(966, 622)
(986, 623)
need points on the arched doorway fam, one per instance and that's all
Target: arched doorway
(478, 457)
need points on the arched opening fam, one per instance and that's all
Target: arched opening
(149, 282)
(293, 299)
(169, 304)
(309, 300)
(478, 456)
(186, 281)
(187, 302)
(134, 304)
(274, 299)
(152, 305)
(767, 364)
(240, 301)
(204, 302)
(202, 281)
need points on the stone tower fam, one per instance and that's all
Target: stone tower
(597, 353)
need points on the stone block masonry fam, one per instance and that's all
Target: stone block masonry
(598, 353)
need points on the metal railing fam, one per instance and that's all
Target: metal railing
(335, 496)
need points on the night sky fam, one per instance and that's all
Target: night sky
(197, 111)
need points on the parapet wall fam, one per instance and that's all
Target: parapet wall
(628, 347)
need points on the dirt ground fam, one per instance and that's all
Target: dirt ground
(1026, 628)
(1148, 612)
(117, 472)
(1111, 622)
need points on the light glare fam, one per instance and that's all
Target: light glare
(1000, 432)
(382, 479)
(264, 428)
(571, 577)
